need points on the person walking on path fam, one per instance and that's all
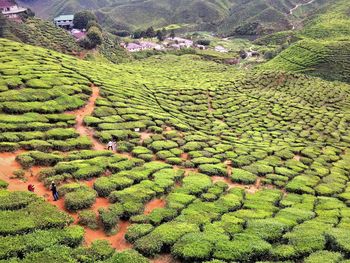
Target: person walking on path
(110, 145)
(53, 189)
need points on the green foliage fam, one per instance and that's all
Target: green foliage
(80, 199)
(82, 18)
(242, 176)
(88, 218)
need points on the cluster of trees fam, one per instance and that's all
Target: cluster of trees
(150, 33)
(204, 42)
(88, 21)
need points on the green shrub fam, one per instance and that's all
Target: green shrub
(324, 256)
(36, 215)
(88, 218)
(157, 146)
(339, 239)
(213, 169)
(283, 252)
(9, 146)
(268, 229)
(127, 256)
(80, 199)
(136, 231)
(100, 250)
(160, 215)
(3, 184)
(242, 176)
(193, 246)
(243, 248)
(15, 200)
(104, 186)
(110, 217)
(88, 171)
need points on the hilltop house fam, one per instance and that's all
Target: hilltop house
(10, 9)
(64, 21)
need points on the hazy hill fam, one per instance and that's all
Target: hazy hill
(215, 15)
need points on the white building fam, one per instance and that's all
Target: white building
(10, 9)
(64, 21)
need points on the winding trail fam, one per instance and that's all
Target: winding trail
(296, 7)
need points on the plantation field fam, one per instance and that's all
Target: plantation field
(212, 164)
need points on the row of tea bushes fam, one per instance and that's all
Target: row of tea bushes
(34, 231)
(243, 227)
(33, 97)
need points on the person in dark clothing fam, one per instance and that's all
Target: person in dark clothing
(53, 188)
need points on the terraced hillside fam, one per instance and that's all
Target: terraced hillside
(212, 165)
(324, 49)
(215, 15)
(42, 33)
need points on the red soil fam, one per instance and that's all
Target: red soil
(184, 156)
(8, 165)
(153, 204)
(145, 135)
(86, 111)
(297, 157)
(117, 241)
(210, 108)
(250, 188)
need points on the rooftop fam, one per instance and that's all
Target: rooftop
(63, 17)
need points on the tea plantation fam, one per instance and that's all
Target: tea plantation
(252, 166)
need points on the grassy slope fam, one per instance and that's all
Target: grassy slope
(42, 33)
(324, 48)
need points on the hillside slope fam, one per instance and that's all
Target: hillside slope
(215, 15)
(262, 157)
(324, 48)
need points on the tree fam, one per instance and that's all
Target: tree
(160, 35)
(92, 23)
(136, 35)
(243, 54)
(164, 32)
(3, 24)
(81, 19)
(122, 33)
(204, 42)
(172, 33)
(150, 32)
(95, 36)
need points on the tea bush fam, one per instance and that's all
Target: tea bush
(80, 199)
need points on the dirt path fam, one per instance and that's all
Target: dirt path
(154, 204)
(296, 7)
